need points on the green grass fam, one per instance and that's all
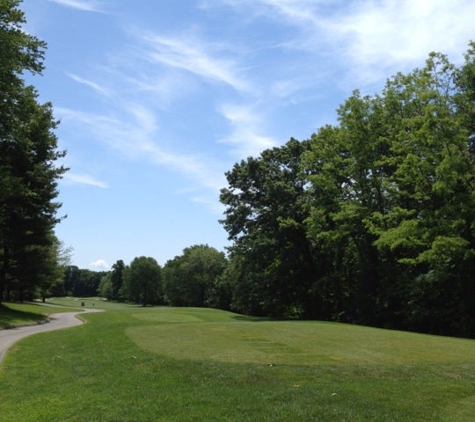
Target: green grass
(17, 314)
(90, 303)
(169, 364)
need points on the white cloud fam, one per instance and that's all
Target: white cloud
(370, 40)
(392, 35)
(100, 264)
(134, 137)
(295, 10)
(195, 56)
(83, 5)
(95, 86)
(84, 179)
(302, 12)
(246, 125)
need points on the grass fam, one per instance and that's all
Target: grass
(17, 314)
(89, 302)
(170, 364)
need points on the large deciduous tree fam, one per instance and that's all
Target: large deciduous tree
(266, 207)
(392, 200)
(142, 281)
(193, 278)
(28, 169)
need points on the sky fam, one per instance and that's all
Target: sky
(157, 99)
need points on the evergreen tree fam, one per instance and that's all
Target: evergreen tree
(28, 155)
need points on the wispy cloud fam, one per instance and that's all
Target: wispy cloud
(134, 137)
(369, 40)
(188, 53)
(301, 11)
(245, 128)
(83, 5)
(95, 86)
(131, 126)
(289, 11)
(211, 203)
(397, 34)
(84, 179)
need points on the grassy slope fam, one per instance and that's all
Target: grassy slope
(17, 314)
(165, 364)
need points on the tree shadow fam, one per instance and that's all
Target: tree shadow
(10, 317)
(252, 318)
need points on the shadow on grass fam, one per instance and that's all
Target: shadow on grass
(253, 319)
(11, 317)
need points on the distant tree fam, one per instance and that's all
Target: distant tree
(70, 279)
(142, 281)
(62, 255)
(193, 278)
(105, 287)
(87, 283)
(117, 278)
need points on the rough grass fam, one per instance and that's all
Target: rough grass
(169, 364)
(17, 314)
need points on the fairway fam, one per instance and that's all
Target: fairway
(190, 364)
(295, 343)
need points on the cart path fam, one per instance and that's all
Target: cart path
(10, 336)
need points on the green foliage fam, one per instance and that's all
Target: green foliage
(359, 222)
(105, 289)
(117, 278)
(28, 172)
(266, 206)
(78, 282)
(193, 278)
(188, 364)
(112, 282)
(142, 281)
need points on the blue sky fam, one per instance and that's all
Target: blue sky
(159, 98)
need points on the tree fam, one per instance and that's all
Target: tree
(28, 155)
(431, 228)
(392, 189)
(72, 276)
(105, 287)
(87, 282)
(266, 208)
(117, 278)
(192, 279)
(112, 282)
(142, 281)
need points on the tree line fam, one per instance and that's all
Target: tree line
(371, 220)
(193, 278)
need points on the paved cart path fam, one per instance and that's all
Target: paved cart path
(56, 322)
